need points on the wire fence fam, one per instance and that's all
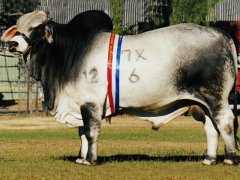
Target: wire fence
(18, 92)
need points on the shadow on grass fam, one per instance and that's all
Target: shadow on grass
(6, 103)
(142, 158)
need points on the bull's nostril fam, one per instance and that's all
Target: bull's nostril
(15, 44)
(12, 44)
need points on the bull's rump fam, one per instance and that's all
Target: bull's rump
(182, 61)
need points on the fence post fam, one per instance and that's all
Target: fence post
(28, 90)
(19, 82)
(36, 100)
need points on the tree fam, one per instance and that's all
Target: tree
(12, 9)
(157, 14)
(117, 9)
(161, 13)
(192, 11)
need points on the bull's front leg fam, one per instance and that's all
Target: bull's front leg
(91, 113)
(84, 146)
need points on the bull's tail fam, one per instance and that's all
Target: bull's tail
(235, 124)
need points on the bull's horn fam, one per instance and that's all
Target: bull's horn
(8, 34)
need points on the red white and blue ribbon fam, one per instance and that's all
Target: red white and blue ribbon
(113, 73)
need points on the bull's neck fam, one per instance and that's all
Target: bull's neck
(68, 49)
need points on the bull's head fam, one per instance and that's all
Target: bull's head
(30, 29)
(25, 38)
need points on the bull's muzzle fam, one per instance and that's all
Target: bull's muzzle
(12, 45)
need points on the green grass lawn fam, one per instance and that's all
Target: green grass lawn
(131, 151)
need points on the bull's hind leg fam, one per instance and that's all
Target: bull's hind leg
(212, 142)
(225, 121)
(211, 133)
(91, 114)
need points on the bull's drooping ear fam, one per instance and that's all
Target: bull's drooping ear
(38, 17)
(9, 34)
(49, 33)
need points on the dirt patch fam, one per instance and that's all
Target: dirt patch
(47, 122)
(28, 122)
(24, 122)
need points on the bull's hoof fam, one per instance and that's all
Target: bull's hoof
(230, 159)
(85, 162)
(209, 161)
(79, 161)
(230, 162)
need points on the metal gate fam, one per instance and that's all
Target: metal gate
(18, 92)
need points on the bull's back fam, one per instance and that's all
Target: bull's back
(161, 65)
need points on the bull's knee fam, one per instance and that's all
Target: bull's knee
(91, 114)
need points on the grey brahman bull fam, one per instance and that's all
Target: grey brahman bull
(89, 73)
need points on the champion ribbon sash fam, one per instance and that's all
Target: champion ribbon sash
(113, 72)
(109, 71)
